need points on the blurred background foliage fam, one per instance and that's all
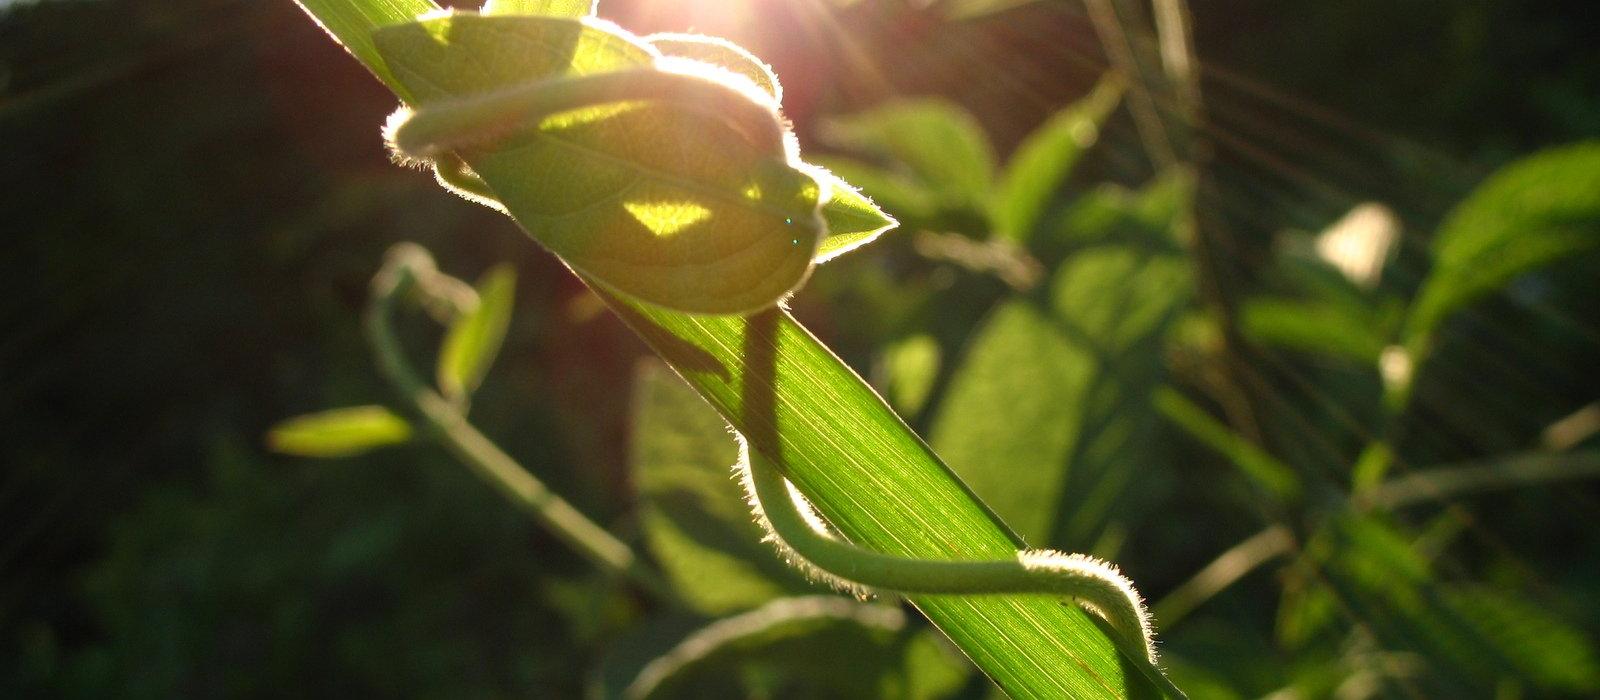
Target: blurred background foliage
(1333, 439)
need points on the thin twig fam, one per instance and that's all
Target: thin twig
(1221, 573)
(1443, 483)
(450, 427)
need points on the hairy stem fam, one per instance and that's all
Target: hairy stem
(1094, 583)
(398, 277)
(483, 119)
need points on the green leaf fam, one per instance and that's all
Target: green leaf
(1320, 328)
(803, 647)
(1041, 164)
(722, 54)
(853, 220)
(474, 338)
(1529, 214)
(911, 366)
(1049, 415)
(693, 513)
(875, 481)
(552, 8)
(351, 24)
(339, 432)
(1255, 463)
(658, 201)
(941, 144)
(1473, 638)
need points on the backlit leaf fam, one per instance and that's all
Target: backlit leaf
(553, 8)
(658, 201)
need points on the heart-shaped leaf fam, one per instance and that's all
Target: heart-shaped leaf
(659, 201)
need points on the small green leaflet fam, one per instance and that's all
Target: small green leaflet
(339, 432)
(474, 338)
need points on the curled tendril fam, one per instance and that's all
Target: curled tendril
(803, 538)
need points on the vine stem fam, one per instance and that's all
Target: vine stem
(399, 276)
(801, 534)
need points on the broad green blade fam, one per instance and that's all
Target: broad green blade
(658, 201)
(693, 512)
(871, 476)
(474, 339)
(339, 432)
(883, 488)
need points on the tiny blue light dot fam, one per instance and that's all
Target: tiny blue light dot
(788, 221)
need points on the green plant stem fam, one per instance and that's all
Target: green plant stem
(487, 460)
(1222, 572)
(1085, 579)
(475, 121)
(1442, 483)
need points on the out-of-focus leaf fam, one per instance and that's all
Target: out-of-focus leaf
(1007, 423)
(552, 8)
(1114, 214)
(1471, 638)
(1318, 328)
(1048, 418)
(1117, 303)
(339, 432)
(803, 647)
(939, 142)
(474, 338)
(1042, 163)
(911, 366)
(853, 220)
(693, 511)
(1556, 656)
(1530, 213)
(1260, 467)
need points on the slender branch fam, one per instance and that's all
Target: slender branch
(1443, 483)
(398, 277)
(1095, 584)
(1223, 572)
(1141, 102)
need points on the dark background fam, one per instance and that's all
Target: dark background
(194, 195)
